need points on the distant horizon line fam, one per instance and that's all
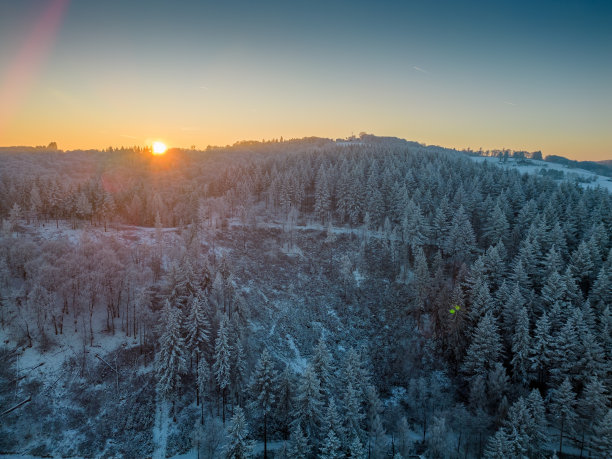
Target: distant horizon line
(281, 139)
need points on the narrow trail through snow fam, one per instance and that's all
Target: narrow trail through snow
(160, 430)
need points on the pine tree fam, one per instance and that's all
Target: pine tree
(332, 447)
(541, 351)
(238, 447)
(521, 346)
(554, 290)
(171, 358)
(378, 438)
(356, 449)
(511, 306)
(495, 267)
(309, 404)
(485, 348)
(283, 408)
(203, 381)
(592, 404)
(198, 327)
(518, 425)
(591, 357)
(438, 442)
(496, 227)
(602, 440)
(582, 265)
(354, 415)
(553, 262)
(482, 302)
(415, 230)
(222, 361)
(497, 384)
(238, 370)
(322, 365)
(333, 422)
(263, 391)
(564, 355)
(460, 240)
(499, 446)
(422, 277)
(323, 202)
(298, 443)
(562, 404)
(537, 428)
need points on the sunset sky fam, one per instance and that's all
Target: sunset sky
(533, 75)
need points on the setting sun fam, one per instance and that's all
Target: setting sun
(159, 148)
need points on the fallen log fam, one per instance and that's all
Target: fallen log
(29, 399)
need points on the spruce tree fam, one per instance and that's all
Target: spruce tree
(521, 345)
(562, 404)
(309, 404)
(485, 348)
(356, 449)
(354, 415)
(592, 404)
(602, 440)
(541, 349)
(332, 447)
(203, 382)
(333, 422)
(298, 443)
(262, 388)
(322, 365)
(537, 428)
(238, 447)
(171, 356)
(222, 361)
(198, 327)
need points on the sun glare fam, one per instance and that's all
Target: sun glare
(159, 148)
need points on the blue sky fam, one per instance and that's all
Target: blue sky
(522, 75)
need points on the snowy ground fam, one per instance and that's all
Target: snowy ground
(535, 166)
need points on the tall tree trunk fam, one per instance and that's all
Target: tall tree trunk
(265, 435)
(561, 436)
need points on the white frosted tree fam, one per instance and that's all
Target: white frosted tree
(537, 429)
(602, 440)
(562, 406)
(356, 449)
(203, 382)
(298, 443)
(263, 387)
(592, 405)
(541, 349)
(222, 362)
(309, 404)
(198, 327)
(333, 423)
(171, 355)
(484, 350)
(238, 446)
(332, 447)
(354, 415)
(322, 365)
(521, 345)
(460, 240)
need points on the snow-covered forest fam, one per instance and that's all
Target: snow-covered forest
(303, 298)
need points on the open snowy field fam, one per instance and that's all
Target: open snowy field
(534, 166)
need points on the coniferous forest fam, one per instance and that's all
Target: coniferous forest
(373, 298)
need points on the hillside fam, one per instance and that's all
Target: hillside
(303, 299)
